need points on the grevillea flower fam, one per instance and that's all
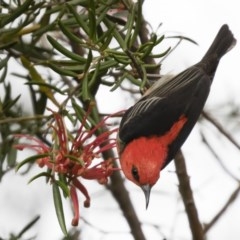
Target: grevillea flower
(74, 155)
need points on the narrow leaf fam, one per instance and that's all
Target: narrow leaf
(85, 81)
(66, 31)
(130, 25)
(37, 77)
(28, 226)
(4, 62)
(31, 159)
(4, 74)
(61, 70)
(92, 20)
(82, 24)
(59, 207)
(65, 51)
(16, 13)
(116, 34)
(42, 174)
(64, 188)
(46, 85)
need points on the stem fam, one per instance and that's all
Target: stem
(187, 197)
(121, 195)
(231, 199)
(221, 129)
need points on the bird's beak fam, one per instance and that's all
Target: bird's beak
(147, 190)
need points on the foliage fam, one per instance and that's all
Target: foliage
(68, 50)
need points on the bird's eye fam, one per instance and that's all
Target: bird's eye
(135, 173)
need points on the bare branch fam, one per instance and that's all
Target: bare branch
(231, 199)
(220, 128)
(121, 195)
(204, 139)
(187, 197)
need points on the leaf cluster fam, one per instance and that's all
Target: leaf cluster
(68, 49)
(63, 52)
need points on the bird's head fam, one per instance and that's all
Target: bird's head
(141, 161)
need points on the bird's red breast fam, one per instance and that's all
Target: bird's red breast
(150, 153)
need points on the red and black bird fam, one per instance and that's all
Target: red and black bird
(153, 130)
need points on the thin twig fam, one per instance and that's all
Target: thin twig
(204, 139)
(231, 199)
(220, 128)
(187, 197)
(23, 119)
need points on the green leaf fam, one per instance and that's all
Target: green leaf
(116, 34)
(28, 226)
(80, 113)
(4, 62)
(144, 77)
(45, 85)
(75, 159)
(65, 51)
(134, 80)
(92, 20)
(119, 81)
(66, 31)
(106, 38)
(59, 207)
(16, 13)
(108, 64)
(63, 185)
(85, 81)
(61, 70)
(161, 54)
(32, 159)
(37, 77)
(12, 156)
(42, 174)
(122, 59)
(95, 76)
(79, 19)
(10, 103)
(64, 182)
(130, 25)
(138, 22)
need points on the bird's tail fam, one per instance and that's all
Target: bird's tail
(223, 42)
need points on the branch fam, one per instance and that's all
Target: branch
(220, 129)
(121, 195)
(231, 199)
(187, 197)
(204, 139)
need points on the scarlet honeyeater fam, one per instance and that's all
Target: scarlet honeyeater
(152, 131)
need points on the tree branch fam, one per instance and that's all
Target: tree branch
(121, 195)
(187, 197)
(231, 199)
(217, 157)
(220, 129)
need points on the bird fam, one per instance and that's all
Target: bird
(153, 130)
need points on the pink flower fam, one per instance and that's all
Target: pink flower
(74, 156)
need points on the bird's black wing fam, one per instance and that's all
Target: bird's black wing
(164, 105)
(155, 113)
